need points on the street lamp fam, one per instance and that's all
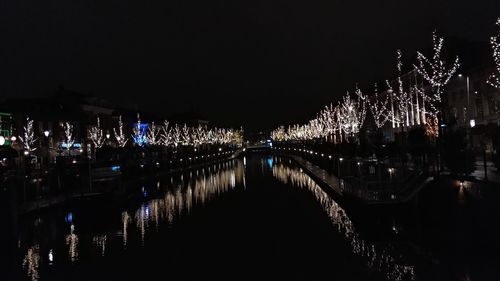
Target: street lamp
(46, 133)
(467, 88)
(338, 168)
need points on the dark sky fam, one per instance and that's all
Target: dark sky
(254, 63)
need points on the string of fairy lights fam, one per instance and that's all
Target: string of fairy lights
(494, 79)
(402, 106)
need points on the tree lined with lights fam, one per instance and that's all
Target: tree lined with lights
(138, 133)
(153, 135)
(28, 138)
(436, 72)
(69, 140)
(378, 108)
(402, 97)
(176, 134)
(96, 134)
(352, 113)
(120, 137)
(165, 136)
(494, 79)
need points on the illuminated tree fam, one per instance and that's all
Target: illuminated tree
(494, 79)
(139, 134)
(378, 108)
(436, 72)
(402, 97)
(186, 135)
(153, 135)
(68, 136)
(352, 113)
(28, 139)
(120, 137)
(176, 134)
(166, 137)
(96, 134)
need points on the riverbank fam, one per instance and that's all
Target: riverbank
(342, 187)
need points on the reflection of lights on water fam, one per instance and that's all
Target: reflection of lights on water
(100, 242)
(69, 217)
(125, 222)
(31, 262)
(377, 258)
(270, 162)
(177, 202)
(72, 242)
(51, 256)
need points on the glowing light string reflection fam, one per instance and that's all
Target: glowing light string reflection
(181, 200)
(378, 259)
(31, 262)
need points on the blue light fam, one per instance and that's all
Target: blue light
(75, 145)
(270, 162)
(443, 125)
(115, 168)
(140, 138)
(69, 217)
(269, 143)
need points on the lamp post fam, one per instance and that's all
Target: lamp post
(46, 133)
(467, 89)
(338, 168)
(469, 123)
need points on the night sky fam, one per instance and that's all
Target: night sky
(254, 63)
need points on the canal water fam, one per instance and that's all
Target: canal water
(258, 217)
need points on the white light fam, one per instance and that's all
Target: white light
(341, 159)
(460, 75)
(26, 152)
(2, 140)
(472, 123)
(51, 256)
(108, 136)
(46, 133)
(13, 138)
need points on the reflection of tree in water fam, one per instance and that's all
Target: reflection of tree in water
(377, 258)
(31, 262)
(207, 184)
(100, 242)
(72, 242)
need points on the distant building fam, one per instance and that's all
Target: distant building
(6, 132)
(50, 113)
(474, 103)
